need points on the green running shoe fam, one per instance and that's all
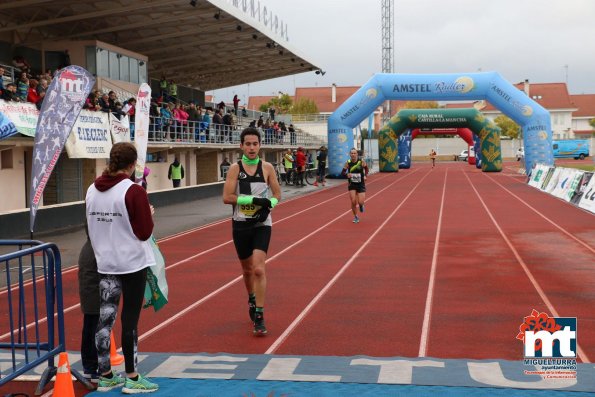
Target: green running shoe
(142, 385)
(107, 384)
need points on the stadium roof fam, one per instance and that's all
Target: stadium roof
(208, 44)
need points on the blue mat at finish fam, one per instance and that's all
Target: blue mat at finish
(254, 388)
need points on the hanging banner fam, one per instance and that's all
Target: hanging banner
(120, 129)
(141, 128)
(587, 201)
(63, 102)
(23, 115)
(7, 127)
(90, 137)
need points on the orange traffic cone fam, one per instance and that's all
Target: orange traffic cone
(63, 386)
(114, 357)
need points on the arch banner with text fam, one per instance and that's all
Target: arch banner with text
(470, 118)
(532, 117)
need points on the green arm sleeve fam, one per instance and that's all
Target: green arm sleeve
(243, 200)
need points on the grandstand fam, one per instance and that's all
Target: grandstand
(197, 46)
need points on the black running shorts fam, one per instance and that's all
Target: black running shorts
(358, 187)
(249, 239)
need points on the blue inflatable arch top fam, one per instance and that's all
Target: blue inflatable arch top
(532, 117)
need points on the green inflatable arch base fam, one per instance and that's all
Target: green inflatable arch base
(488, 132)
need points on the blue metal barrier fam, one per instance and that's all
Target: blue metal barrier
(35, 306)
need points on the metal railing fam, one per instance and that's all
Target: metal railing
(199, 132)
(32, 311)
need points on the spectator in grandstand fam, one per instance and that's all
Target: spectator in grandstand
(223, 167)
(21, 63)
(205, 125)
(129, 109)
(227, 126)
(32, 95)
(283, 129)
(292, 135)
(1, 79)
(42, 88)
(260, 123)
(272, 111)
(112, 99)
(10, 93)
(221, 106)
(176, 172)
(172, 90)
(244, 112)
(118, 111)
(120, 240)
(163, 86)
(104, 103)
(23, 87)
(218, 126)
(252, 124)
(194, 120)
(167, 120)
(180, 121)
(154, 121)
(92, 102)
(236, 102)
(88, 282)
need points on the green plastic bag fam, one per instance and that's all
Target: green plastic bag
(156, 289)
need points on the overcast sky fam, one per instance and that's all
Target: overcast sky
(540, 40)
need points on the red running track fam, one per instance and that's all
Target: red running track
(446, 262)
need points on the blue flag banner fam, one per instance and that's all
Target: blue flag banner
(7, 127)
(63, 102)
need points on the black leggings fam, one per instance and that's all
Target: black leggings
(111, 287)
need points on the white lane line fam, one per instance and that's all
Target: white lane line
(237, 279)
(566, 232)
(425, 328)
(332, 282)
(535, 283)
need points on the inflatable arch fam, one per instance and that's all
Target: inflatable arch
(488, 132)
(532, 117)
(408, 136)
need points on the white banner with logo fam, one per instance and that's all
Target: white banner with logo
(573, 184)
(120, 129)
(563, 182)
(90, 137)
(538, 175)
(23, 115)
(588, 200)
(553, 181)
(141, 127)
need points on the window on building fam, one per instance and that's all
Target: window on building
(91, 59)
(124, 68)
(102, 62)
(114, 66)
(6, 159)
(134, 71)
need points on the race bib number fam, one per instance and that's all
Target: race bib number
(248, 210)
(356, 178)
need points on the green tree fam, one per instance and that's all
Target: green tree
(507, 126)
(592, 123)
(420, 105)
(283, 104)
(374, 134)
(304, 106)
